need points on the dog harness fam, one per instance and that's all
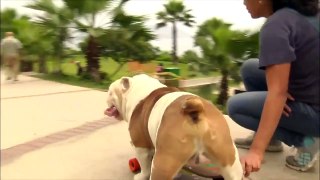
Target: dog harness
(138, 125)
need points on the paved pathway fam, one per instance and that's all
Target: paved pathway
(58, 132)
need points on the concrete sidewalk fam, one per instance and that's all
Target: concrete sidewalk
(32, 108)
(58, 132)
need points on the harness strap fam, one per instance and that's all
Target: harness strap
(138, 125)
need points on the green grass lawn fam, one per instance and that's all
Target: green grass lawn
(109, 66)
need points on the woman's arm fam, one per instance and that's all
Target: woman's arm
(277, 80)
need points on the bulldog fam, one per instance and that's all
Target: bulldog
(169, 127)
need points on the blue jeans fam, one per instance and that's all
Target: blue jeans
(246, 109)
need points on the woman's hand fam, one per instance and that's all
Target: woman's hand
(287, 110)
(251, 162)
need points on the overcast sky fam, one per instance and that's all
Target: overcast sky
(232, 11)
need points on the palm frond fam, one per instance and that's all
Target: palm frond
(43, 5)
(82, 7)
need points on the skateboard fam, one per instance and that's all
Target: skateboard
(204, 170)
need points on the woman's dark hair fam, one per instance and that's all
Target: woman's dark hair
(305, 7)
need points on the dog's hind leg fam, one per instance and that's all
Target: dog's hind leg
(225, 155)
(167, 164)
(144, 156)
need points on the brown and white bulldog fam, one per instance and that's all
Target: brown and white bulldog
(169, 127)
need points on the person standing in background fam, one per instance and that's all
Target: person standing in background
(160, 68)
(10, 53)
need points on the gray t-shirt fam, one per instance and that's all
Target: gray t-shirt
(289, 37)
(10, 46)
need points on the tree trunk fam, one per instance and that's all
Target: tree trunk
(92, 56)
(42, 64)
(174, 43)
(60, 50)
(224, 88)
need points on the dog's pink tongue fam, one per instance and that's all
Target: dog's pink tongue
(112, 111)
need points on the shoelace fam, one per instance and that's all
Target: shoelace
(302, 158)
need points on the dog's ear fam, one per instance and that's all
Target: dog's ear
(125, 83)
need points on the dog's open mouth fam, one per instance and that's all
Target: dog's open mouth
(112, 112)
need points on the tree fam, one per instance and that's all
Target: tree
(222, 48)
(36, 42)
(37, 45)
(54, 21)
(87, 12)
(190, 56)
(8, 16)
(131, 36)
(163, 56)
(122, 45)
(127, 38)
(174, 12)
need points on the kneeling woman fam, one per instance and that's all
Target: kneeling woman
(282, 98)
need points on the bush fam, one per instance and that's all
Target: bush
(26, 66)
(205, 92)
(164, 56)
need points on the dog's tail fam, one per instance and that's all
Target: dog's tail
(193, 108)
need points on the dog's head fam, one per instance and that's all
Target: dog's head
(115, 97)
(124, 94)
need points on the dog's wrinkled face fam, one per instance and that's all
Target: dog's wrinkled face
(115, 97)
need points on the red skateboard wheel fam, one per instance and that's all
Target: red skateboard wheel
(134, 165)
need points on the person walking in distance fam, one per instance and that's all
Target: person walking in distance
(10, 52)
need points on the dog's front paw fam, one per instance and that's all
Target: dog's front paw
(141, 176)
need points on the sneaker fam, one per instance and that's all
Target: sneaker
(306, 156)
(245, 143)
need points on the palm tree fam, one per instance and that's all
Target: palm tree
(54, 21)
(87, 12)
(222, 48)
(8, 15)
(36, 42)
(174, 12)
(127, 39)
(129, 31)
